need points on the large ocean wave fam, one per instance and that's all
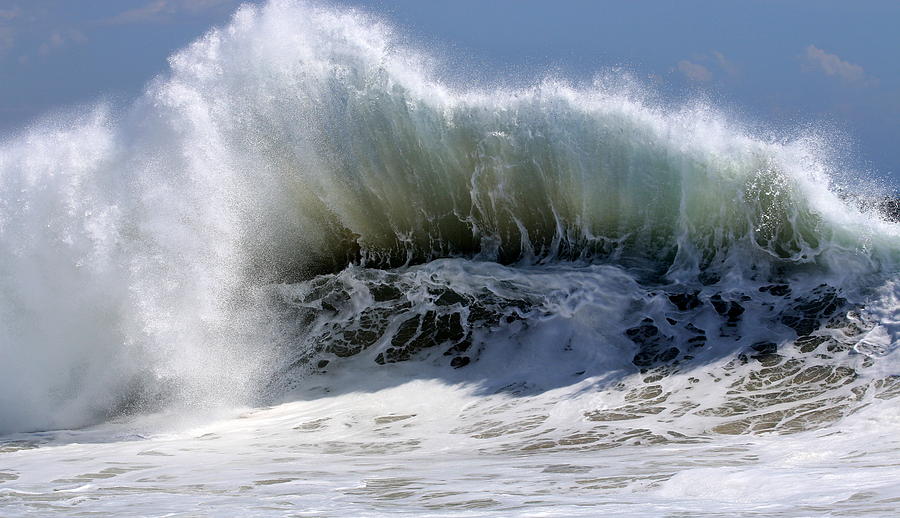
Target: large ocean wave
(300, 188)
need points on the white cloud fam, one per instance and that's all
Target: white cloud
(199, 5)
(149, 12)
(727, 66)
(694, 71)
(9, 14)
(706, 67)
(162, 10)
(59, 39)
(7, 33)
(833, 65)
(6, 39)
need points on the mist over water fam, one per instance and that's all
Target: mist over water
(300, 207)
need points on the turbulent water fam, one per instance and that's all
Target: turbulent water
(301, 274)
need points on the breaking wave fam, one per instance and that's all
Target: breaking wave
(301, 190)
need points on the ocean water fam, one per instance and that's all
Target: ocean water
(301, 275)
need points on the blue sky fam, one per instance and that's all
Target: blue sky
(780, 64)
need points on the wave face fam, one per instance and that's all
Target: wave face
(181, 252)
